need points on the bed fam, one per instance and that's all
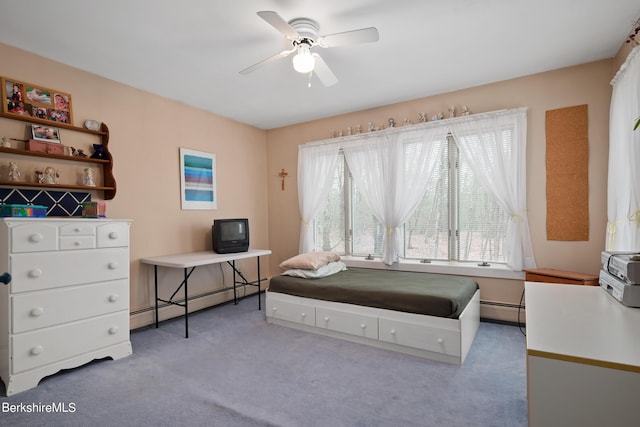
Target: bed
(428, 315)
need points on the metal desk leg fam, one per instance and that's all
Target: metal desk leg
(186, 304)
(235, 297)
(258, 258)
(155, 281)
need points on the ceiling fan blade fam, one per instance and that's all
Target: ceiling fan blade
(324, 73)
(269, 60)
(277, 22)
(363, 35)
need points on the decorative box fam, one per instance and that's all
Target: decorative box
(94, 209)
(45, 147)
(10, 210)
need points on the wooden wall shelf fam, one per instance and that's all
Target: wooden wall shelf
(109, 187)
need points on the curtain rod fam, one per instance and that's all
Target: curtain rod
(417, 126)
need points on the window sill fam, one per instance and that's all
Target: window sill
(498, 271)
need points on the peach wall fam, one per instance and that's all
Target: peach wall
(584, 84)
(146, 133)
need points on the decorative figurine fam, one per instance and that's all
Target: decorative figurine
(465, 110)
(407, 122)
(358, 129)
(47, 176)
(452, 112)
(349, 131)
(88, 177)
(438, 116)
(371, 127)
(98, 152)
(5, 142)
(422, 117)
(14, 173)
(392, 123)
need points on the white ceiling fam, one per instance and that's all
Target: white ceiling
(192, 50)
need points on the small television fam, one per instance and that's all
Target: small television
(230, 235)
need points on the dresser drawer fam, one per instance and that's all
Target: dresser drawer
(39, 271)
(78, 229)
(415, 335)
(38, 348)
(77, 242)
(34, 237)
(113, 235)
(292, 312)
(37, 310)
(349, 323)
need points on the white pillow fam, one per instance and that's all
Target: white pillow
(324, 271)
(310, 260)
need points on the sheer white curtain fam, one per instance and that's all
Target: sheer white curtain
(391, 172)
(315, 172)
(495, 148)
(623, 205)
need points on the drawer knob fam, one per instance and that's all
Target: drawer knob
(36, 238)
(113, 265)
(113, 235)
(304, 314)
(440, 340)
(36, 272)
(77, 229)
(36, 350)
(392, 332)
(114, 297)
(36, 312)
(363, 326)
(274, 309)
(326, 318)
(113, 330)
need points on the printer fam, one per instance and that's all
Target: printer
(620, 276)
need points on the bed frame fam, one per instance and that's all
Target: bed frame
(437, 338)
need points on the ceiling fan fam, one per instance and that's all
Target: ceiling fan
(303, 34)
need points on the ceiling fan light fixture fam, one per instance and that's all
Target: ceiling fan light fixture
(304, 62)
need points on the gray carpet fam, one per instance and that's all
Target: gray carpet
(237, 370)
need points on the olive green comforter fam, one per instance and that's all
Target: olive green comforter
(422, 293)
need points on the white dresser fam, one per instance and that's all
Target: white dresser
(68, 299)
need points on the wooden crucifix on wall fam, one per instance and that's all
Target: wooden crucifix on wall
(283, 174)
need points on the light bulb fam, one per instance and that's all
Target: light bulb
(303, 62)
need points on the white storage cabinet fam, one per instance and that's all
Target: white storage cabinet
(68, 299)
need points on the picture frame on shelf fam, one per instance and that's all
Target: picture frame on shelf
(197, 180)
(26, 99)
(45, 133)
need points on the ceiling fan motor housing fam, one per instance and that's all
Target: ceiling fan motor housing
(307, 28)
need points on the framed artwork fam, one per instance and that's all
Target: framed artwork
(197, 180)
(45, 133)
(26, 99)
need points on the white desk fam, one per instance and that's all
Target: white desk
(189, 261)
(583, 357)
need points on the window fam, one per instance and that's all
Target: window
(455, 220)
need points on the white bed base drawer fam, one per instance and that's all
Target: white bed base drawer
(304, 314)
(349, 323)
(418, 335)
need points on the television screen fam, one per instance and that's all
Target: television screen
(230, 235)
(233, 230)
